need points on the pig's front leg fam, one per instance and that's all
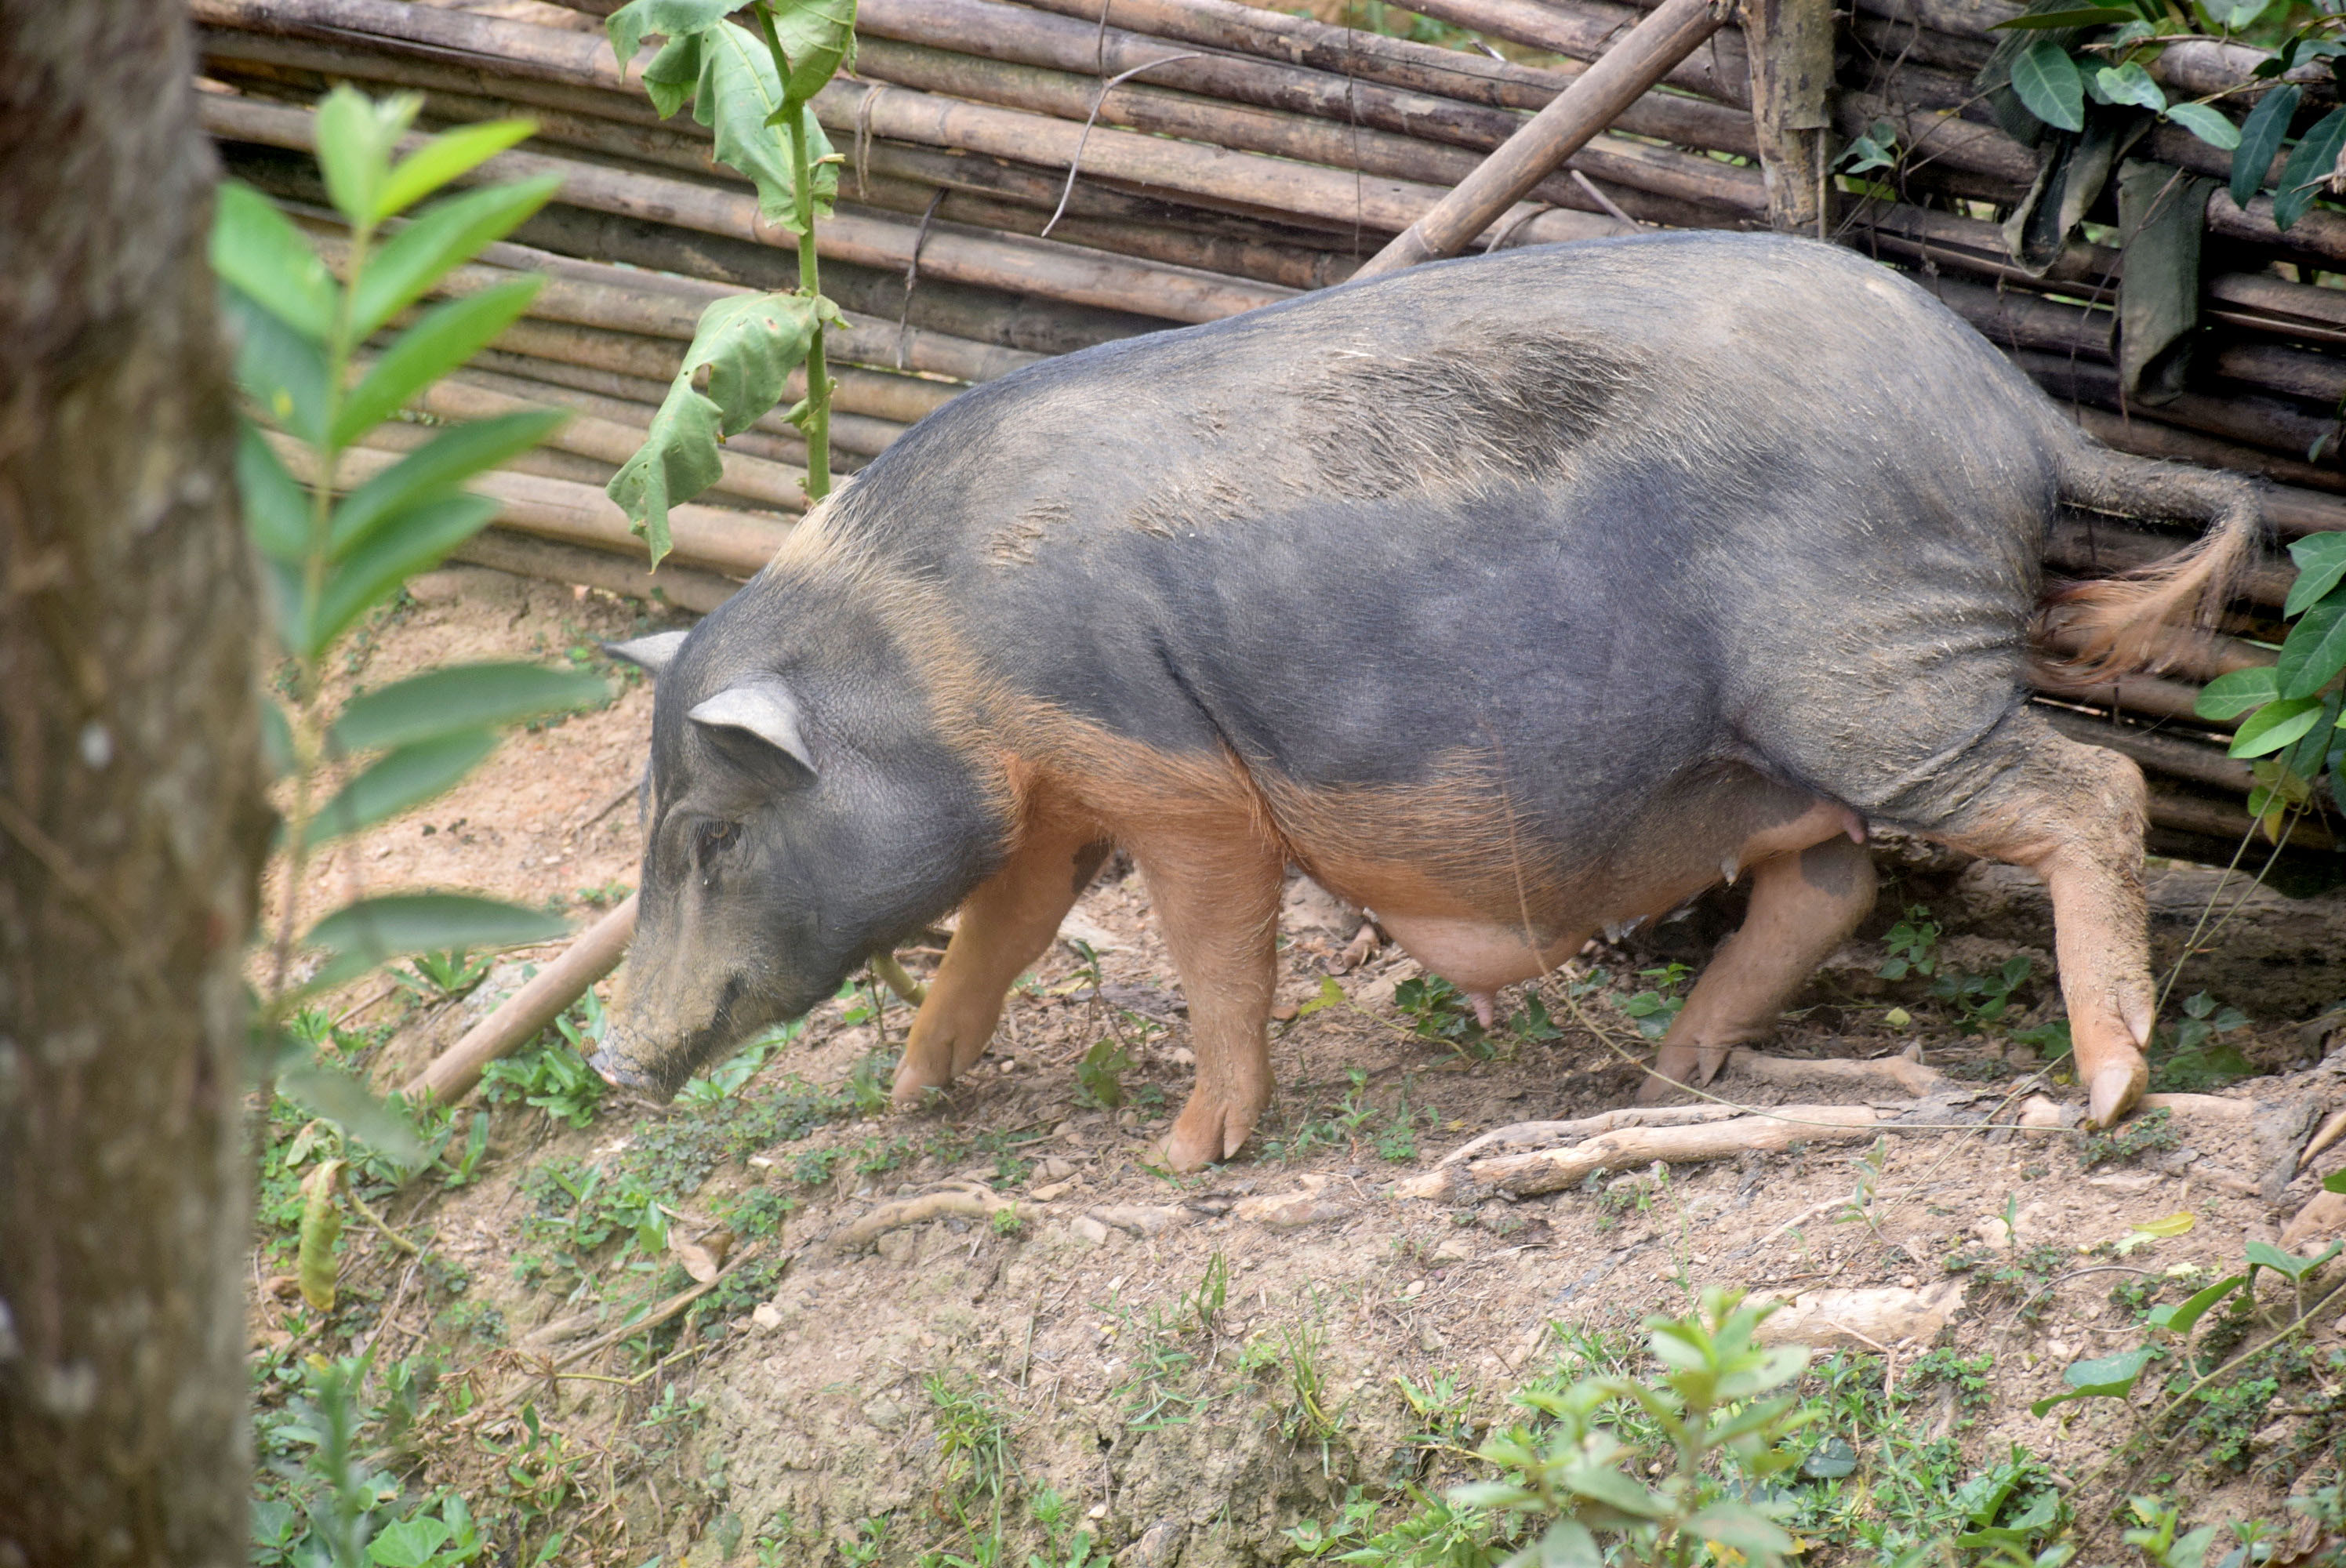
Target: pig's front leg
(1005, 926)
(1218, 906)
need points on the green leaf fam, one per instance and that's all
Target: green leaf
(2321, 565)
(445, 157)
(627, 25)
(2315, 649)
(436, 469)
(408, 1543)
(2049, 86)
(278, 368)
(816, 36)
(1567, 1544)
(2183, 1316)
(446, 236)
(2275, 725)
(441, 701)
(737, 94)
(2104, 1376)
(2265, 1255)
(448, 334)
(257, 248)
(414, 542)
(2231, 695)
(2130, 83)
(336, 1096)
(402, 779)
(2307, 166)
(2262, 134)
(2075, 16)
(356, 134)
(2334, 1182)
(276, 506)
(2245, 13)
(2209, 123)
(674, 76)
(749, 344)
(1743, 1528)
(677, 462)
(375, 931)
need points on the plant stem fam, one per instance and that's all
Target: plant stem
(818, 380)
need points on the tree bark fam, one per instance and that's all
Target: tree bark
(131, 822)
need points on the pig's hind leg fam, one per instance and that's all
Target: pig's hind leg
(2074, 814)
(1804, 904)
(1004, 927)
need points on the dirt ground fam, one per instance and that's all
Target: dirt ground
(1202, 1371)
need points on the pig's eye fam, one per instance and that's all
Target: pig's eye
(713, 839)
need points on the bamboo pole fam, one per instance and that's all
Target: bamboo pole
(593, 954)
(1591, 29)
(1159, 111)
(739, 543)
(1022, 265)
(773, 438)
(1023, 35)
(1662, 40)
(2274, 424)
(527, 555)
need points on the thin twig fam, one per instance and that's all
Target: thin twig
(1075, 162)
(1602, 199)
(913, 277)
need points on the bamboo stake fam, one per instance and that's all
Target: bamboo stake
(1667, 36)
(1791, 44)
(593, 954)
(527, 555)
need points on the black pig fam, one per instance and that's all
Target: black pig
(1509, 597)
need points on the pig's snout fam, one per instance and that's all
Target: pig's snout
(621, 1073)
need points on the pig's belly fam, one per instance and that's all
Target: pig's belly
(1478, 944)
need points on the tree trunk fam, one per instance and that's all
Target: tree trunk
(131, 822)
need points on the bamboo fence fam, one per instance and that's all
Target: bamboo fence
(1024, 179)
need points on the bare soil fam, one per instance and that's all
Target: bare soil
(821, 1410)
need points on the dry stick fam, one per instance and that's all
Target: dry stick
(1553, 135)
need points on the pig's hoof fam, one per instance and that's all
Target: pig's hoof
(915, 1090)
(2115, 1088)
(1204, 1135)
(1676, 1066)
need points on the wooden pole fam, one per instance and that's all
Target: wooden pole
(1790, 44)
(517, 1021)
(1659, 42)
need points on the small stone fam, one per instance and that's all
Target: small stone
(1284, 1010)
(765, 1318)
(1007, 1067)
(1053, 1168)
(1908, 1282)
(1414, 1288)
(1091, 1230)
(1449, 1252)
(1049, 1191)
(1097, 1511)
(1431, 1342)
(2058, 1349)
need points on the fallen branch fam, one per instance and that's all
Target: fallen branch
(1890, 1071)
(1548, 1170)
(966, 1200)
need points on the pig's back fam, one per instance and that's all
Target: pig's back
(1628, 505)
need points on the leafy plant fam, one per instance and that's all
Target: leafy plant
(1914, 944)
(1099, 1076)
(753, 89)
(1713, 1410)
(332, 548)
(2290, 712)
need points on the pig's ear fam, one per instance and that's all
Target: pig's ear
(763, 707)
(651, 653)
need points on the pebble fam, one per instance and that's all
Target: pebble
(1908, 1281)
(1090, 1230)
(1414, 1288)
